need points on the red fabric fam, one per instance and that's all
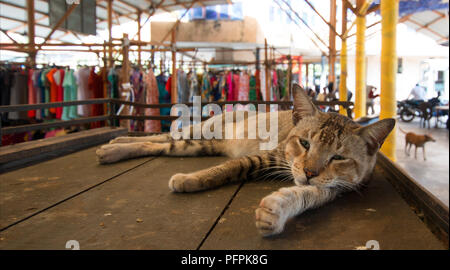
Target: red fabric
(60, 93)
(258, 84)
(236, 87)
(53, 88)
(372, 95)
(31, 93)
(95, 86)
(169, 86)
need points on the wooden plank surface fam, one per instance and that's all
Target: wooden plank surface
(29, 190)
(378, 213)
(27, 153)
(135, 210)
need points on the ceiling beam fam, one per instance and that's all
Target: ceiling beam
(430, 30)
(350, 6)
(323, 19)
(59, 23)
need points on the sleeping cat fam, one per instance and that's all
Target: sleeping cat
(325, 154)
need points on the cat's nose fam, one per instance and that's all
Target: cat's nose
(310, 173)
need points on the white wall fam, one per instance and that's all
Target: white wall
(411, 74)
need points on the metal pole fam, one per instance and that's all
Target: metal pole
(267, 74)
(343, 76)
(360, 66)
(139, 35)
(389, 18)
(174, 70)
(332, 40)
(31, 32)
(110, 48)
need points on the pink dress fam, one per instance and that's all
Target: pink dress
(152, 97)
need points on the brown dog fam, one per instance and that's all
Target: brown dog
(418, 141)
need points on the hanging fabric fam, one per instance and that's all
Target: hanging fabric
(152, 97)
(82, 80)
(70, 94)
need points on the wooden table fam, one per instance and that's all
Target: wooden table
(128, 205)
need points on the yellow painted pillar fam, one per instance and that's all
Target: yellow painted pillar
(343, 76)
(389, 17)
(360, 66)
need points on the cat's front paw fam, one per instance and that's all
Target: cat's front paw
(120, 140)
(271, 215)
(109, 153)
(181, 182)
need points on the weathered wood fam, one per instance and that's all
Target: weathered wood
(13, 156)
(378, 213)
(135, 210)
(428, 208)
(25, 192)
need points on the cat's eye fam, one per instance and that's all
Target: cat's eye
(304, 143)
(338, 157)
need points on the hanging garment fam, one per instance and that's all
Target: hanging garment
(205, 87)
(183, 87)
(258, 84)
(58, 77)
(137, 82)
(236, 86)
(113, 79)
(223, 88)
(252, 89)
(82, 79)
(164, 97)
(274, 86)
(215, 93)
(19, 94)
(229, 81)
(95, 86)
(6, 80)
(113, 89)
(45, 88)
(169, 87)
(263, 85)
(152, 97)
(37, 92)
(194, 89)
(70, 94)
(31, 93)
(244, 83)
(53, 88)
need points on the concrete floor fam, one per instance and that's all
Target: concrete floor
(128, 205)
(433, 173)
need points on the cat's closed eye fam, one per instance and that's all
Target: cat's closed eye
(338, 157)
(304, 143)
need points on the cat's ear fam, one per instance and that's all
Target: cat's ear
(303, 105)
(376, 133)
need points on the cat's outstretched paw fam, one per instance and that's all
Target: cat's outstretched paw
(181, 182)
(270, 216)
(109, 153)
(121, 140)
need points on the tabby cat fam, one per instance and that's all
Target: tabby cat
(325, 154)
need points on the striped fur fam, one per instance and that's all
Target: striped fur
(338, 156)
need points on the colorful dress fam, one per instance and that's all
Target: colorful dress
(152, 93)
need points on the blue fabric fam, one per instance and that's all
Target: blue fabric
(407, 7)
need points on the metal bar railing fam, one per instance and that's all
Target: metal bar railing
(30, 107)
(114, 119)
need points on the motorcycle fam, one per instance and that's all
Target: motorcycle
(408, 110)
